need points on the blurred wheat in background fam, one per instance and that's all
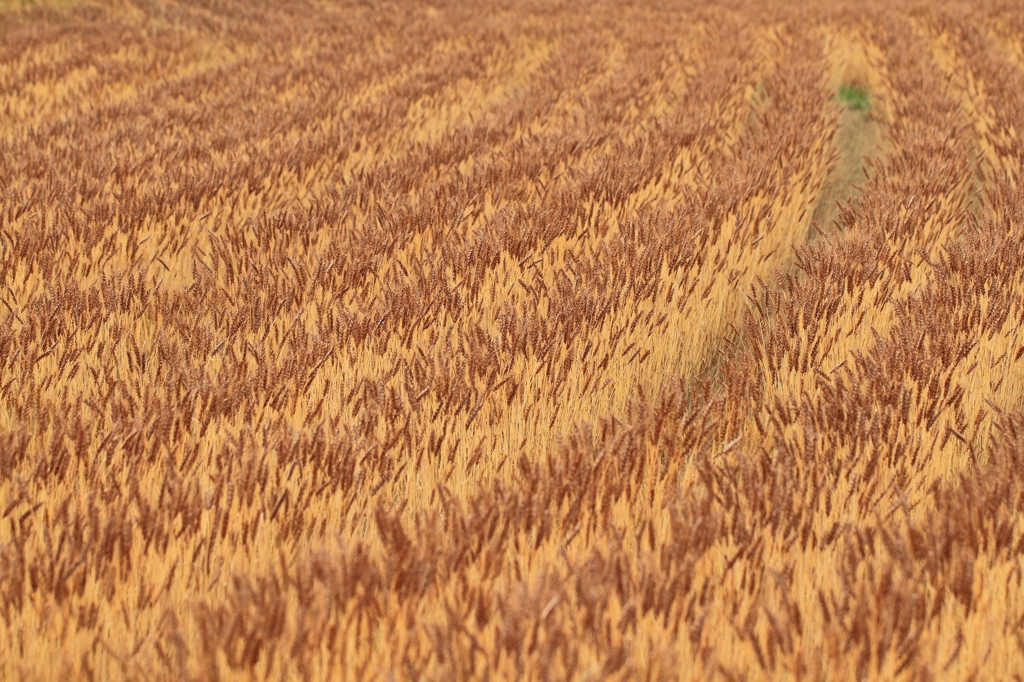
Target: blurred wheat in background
(512, 340)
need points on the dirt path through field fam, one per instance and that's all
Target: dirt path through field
(855, 77)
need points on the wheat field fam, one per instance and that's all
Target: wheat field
(512, 340)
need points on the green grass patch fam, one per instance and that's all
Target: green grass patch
(855, 97)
